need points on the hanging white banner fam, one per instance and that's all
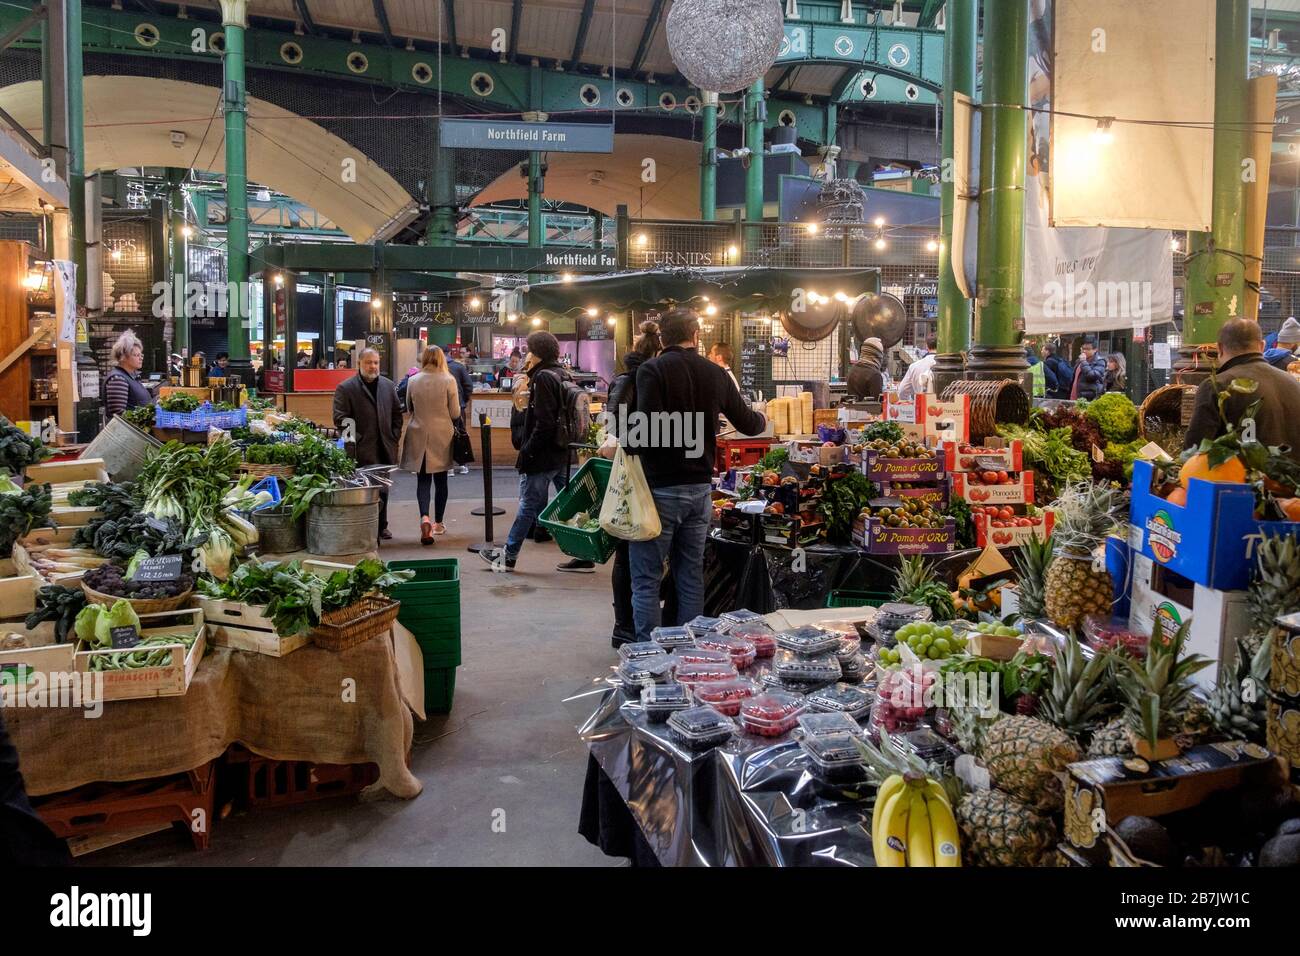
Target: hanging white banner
(65, 299)
(1124, 70)
(1082, 279)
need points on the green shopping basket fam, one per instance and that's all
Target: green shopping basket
(584, 493)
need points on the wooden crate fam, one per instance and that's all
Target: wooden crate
(71, 516)
(243, 627)
(102, 808)
(23, 563)
(58, 472)
(62, 536)
(170, 680)
(21, 664)
(18, 596)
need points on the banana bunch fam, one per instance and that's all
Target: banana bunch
(913, 824)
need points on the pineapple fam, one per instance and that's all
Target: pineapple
(1078, 696)
(1158, 690)
(969, 725)
(1274, 588)
(1032, 560)
(1073, 588)
(1230, 709)
(1112, 740)
(999, 830)
(1024, 755)
(915, 583)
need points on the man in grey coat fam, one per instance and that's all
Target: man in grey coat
(369, 402)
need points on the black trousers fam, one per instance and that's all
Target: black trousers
(423, 480)
(621, 582)
(383, 511)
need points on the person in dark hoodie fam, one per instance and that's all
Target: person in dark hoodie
(1089, 379)
(1056, 373)
(622, 395)
(679, 395)
(541, 458)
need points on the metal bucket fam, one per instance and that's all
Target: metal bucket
(342, 529)
(364, 495)
(123, 447)
(278, 532)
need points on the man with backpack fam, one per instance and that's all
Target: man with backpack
(552, 419)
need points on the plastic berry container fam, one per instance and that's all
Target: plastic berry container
(701, 655)
(661, 701)
(772, 713)
(693, 675)
(742, 652)
(820, 724)
(854, 670)
(699, 728)
(835, 758)
(733, 619)
(928, 745)
(848, 647)
(700, 624)
(852, 700)
(640, 651)
(634, 675)
(671, 638)
(760, 635)
(788, 665)
(890, 617)
(726, 696)
(808, 640)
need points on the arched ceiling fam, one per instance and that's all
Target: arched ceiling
(602, 181)
(129, 121)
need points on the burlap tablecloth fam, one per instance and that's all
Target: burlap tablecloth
(326, 707)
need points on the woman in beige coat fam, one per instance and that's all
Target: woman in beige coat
(434, 404)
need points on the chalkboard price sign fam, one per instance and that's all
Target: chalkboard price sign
(125, 636)
(756, 367)
(166, 567)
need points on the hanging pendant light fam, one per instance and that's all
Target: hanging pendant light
(723, 46)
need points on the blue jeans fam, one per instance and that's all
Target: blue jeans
(684, 512)
(533, 493)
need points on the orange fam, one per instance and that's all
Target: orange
(1178, 497)
(1198, 466)
(1290, 507)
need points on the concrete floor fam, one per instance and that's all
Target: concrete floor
(507, 751)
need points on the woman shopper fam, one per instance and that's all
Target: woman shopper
(622, 395)
(1116, 373)
(434, 404)
(122, 388)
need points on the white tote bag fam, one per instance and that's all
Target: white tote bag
(628, 510)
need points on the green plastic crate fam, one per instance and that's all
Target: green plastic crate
(439, 689)
(847, 598)
(436, 577)
(585, 492)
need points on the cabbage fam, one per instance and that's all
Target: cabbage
(7, 485)
(87, 618)
(121, 614)
(140, 555)
(1116, 416)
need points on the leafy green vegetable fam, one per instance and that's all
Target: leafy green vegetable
(142, 417)
(960, 512)
(180, 402)
(59, 604)
(1052, 450)
(888, 431)
(1116, 416)
(20, 513)
(300, 490)
(19, 449)
(843, 497)
(86, 620)
(774, 459)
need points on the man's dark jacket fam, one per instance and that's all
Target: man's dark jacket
(1278, 420)
(538, 451)
(464, 383)
(1091, 377)
(623, 391)
(1057, 376)
(378, 419)
(683, 381)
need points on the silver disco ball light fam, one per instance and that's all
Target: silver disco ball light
(723, 46)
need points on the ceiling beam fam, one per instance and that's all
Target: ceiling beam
(381, 14)
(581, 40)
(642, 48)
(929, 12)
(844, 82)
(148, 6)
(450, 7)
(516, 14)
(308, 24)
(785, 75)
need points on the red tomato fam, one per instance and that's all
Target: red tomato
(991, 510)
(1024, 523)
(1006, 512)
(1003, 478)
(989, 477)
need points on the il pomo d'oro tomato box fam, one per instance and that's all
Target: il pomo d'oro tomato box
(994, 487)
(995, 453)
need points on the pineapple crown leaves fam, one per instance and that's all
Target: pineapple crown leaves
(1080, 687)
(1086, 514)
(1275, 588)
(890, 758)
(1159, 686)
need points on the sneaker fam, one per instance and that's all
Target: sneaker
(386, 535)
(497, 558)
(464, 469)
(578, 566)
(439, 528)
(426, 532)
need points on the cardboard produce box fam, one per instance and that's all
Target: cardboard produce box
(877, 537)
(995, 453)
(879, 468)
(1019, 492)
(986, 533)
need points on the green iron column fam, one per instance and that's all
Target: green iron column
(76, 145)
(234, 101)
(1216, 288)
(999, 322)
(754, 110)
(709, 157)
(442, 194)
(177, 260)
(958, 77)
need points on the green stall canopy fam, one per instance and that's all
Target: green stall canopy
(728, 288)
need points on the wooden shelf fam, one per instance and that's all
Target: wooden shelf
(44, 351)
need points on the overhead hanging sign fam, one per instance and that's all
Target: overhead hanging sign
(517, 135)
(1115, 160)
(1082, 279)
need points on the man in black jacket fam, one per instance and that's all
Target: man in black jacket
(679, 396)
(541, 457)
(1241, 355)
(369, 402)
(1089, 378)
